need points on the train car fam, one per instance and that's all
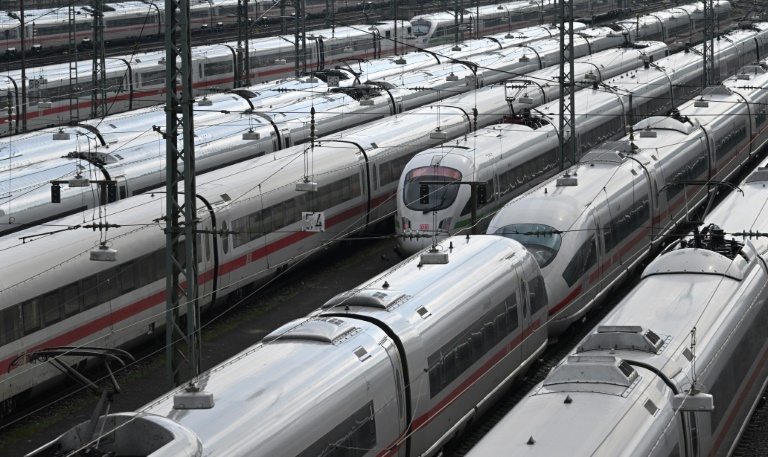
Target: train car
(608, 213)
(489, 19)
(392, 334)
(677, 372)
(516, 157)
(27, 184)
(356, 174)
(683, 24)
(57, 97)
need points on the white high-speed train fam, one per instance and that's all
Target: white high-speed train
(632, 387)
(356, 173)
(136, 162)
(514, 157)
(606, 215)
(47, 29)
(683, 23)
(138, 80)
(394, 367)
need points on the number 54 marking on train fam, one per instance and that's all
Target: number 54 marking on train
(313, 222)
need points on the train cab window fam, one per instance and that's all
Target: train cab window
(439, 196)
(10, 325)
(70, 299)
(420, 28)
(541, 240)
(31, 316)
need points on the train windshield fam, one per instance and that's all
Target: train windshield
(432, 197)
(541, 240)
(420, 27)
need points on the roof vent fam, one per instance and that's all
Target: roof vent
(193, 398)
(593, 369)
(366, 102)
(205, 102)
(567, 181)
(622, 337)
(743, 76)
(434, 257)
(400, 61)
(525, 58)
(321, 329)
(701, 103)
(370, 298)
(451, 77)
(648, 133)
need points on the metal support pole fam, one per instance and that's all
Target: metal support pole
(240, 34)
(23, 67)
(74, 93)
(99, 81)
(567, 86)
(710, 78)
(296, 37)
(182, 348)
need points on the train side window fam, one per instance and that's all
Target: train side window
(500, 321)
(51, 308)
(123, 193)
(90, 292)
(127, 280)
(31, 316)
(224, 238)
(289, 209)
(70, 298)
(144, 269)
(476, 343)
(513, 319)
(10, 324)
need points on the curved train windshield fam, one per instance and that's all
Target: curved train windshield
(541, 240)
(420, 27)
(438, 196)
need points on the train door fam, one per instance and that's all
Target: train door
(399, 383)
(376, 37)
(526, 319)
(207, 279)
(320, 54)
(122, 187)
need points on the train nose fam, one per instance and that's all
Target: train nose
(409, 243)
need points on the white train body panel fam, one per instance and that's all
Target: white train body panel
(715, 286)
(384, 343)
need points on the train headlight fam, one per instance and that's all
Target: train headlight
(445, 224)
(406, 223)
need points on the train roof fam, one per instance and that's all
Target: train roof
(606, 405)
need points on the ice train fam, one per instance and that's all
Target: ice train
(512, 158)
(637, 385)
(135, 162)
(606, 215)
(135, 81)
(421, 349)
